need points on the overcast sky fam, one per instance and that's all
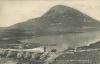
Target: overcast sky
(15, 11)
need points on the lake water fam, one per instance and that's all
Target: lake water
(68, 39)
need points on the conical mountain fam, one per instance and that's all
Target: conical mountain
(58, 20)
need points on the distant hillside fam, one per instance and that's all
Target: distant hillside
(92, 56)
(95, 45)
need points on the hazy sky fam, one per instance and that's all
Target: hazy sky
(15, 11)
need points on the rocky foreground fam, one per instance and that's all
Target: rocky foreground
(80, 55)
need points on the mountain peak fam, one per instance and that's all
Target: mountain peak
(59, 7)
(60, 10)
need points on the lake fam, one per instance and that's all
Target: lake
(64, 41)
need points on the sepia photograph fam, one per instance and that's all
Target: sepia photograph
(49, 31)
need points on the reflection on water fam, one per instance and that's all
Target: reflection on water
(68, 39)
